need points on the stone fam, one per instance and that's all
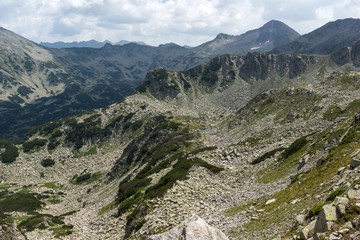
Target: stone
(195, 228)
(340, 170)
(319, 236)
(300, 219)
(355, 162)
(353, 194)
(356, 222)
(327, 214)
(308, 231)
(344, 231)
(348, 225)
(268, 202)
(355, 153)
(341, 209)
(341, 200)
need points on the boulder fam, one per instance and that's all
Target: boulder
(307, 231)
(268, 202)
(327, 215)
(356, 222)
(354, 163)
(341, 209)
(353, 194)
(195, 228)
(341, 200)
(300, 219)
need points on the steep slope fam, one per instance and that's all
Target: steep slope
(326, 39)
(272, 34)
(219, 140)
(27, 71)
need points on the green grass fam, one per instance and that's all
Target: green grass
(287, 161)
(334, 111)
(54, 201)
(107, 208)
(235, 210)
(306, 188)
(51, 185)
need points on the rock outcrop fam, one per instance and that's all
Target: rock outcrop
(195, 228)
(10, 233)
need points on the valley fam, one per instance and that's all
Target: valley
(246, 142)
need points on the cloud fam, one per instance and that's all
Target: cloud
(189, 22)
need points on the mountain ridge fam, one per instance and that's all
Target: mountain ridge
(326, 39)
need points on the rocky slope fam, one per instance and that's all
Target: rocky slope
(245, 142)
(40, 84)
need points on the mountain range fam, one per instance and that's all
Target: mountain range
(89, 44)
(260, 146)
(62, 82)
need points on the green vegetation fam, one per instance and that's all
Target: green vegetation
(234, 210)
(24, 91)
(10, 153)
(86, 178)
(308, 184)
(294, 147)
(287, 161)
(47, 162)
(334, 111)
(315, 209)
(167, 145)
(47, 221)
(51, 185)
(266, 155)
(34, 144)
(209, 76)
(22, 201)
(334, 194)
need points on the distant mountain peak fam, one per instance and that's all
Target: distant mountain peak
(326, 39)
(223, 36)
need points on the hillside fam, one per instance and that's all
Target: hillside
(245, 142)
(44, 84)
(324, 40)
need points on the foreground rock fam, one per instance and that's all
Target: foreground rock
(195, 228)
(10, 233)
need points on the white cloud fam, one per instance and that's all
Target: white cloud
(189, 22)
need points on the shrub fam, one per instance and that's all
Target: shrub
(334, 194)
(47, 162)
(11, 152)
(83, 178)
(294, 147)
(315, 209)
(35, 143)
(266, 155)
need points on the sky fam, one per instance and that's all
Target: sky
(184, 22)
